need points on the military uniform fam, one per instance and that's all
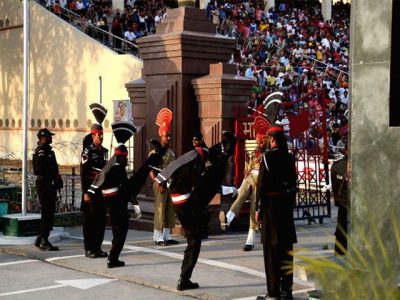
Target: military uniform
(339, 178)
(164, 215)
(248, 189)
(276, 192)
(190, 214)
(116, 205)
(116, 189)
(93, 159)
(48, 180)
(192, 187)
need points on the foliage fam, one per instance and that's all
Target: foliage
(370, 270)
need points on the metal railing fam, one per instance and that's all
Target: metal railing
(116, 43)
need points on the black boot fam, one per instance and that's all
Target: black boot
(101, 253)
(38, 240)
(115, 263)
(186, 285)
(47, 246)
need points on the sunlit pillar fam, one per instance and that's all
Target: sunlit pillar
(327, 9)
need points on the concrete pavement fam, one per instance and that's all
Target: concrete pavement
(224, 271)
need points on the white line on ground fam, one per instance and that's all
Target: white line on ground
(32, 290)
(63, 257)
(207, 262)
(82, 284)
(18, 262)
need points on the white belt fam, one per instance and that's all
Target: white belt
(178, 198)
(110, 192)
(255, 172)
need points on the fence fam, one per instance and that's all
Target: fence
(68, 198)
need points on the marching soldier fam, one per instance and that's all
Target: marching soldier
(192, 187)
(248, 187)
(48, 181)
(117, 190)
(164, 216)
(276, 195)
(93, 159)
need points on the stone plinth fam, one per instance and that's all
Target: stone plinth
(182, 49)
(184, 46)
(20, 225)
(220, 95)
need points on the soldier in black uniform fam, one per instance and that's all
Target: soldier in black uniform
(117, 189)
(276, 195)
(339, 176)
(48, 180)
(93, 159)
(192, 187)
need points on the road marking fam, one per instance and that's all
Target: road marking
(18, 262)
(32, 290)
(204, 261)
(213, 263)
(82, 284)
(63, 257)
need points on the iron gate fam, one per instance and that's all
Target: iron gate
(305, 123)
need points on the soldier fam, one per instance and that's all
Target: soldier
(192, 187)
(48, 181)
(248, 187)
(198, 140)
(164, 216)
(117, 190)
(339, 177)
(276, 195)
(93, 159)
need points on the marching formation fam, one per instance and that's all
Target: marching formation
(183, 187)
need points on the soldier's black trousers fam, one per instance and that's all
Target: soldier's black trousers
(94, 223)
(341, 232)
(278, 263)
(47, 197)
(191, 221)
(119, 216)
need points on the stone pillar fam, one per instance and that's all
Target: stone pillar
(137, 93)
(220, 95)
(268, 4)
(118, 4)
(374, 146)
(182, 49)
(327, 9)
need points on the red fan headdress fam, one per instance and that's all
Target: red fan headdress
(163, 120)
(260, 126)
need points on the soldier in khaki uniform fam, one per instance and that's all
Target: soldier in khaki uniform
(249, 184)
(164, 215)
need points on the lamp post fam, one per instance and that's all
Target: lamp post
(25, 109)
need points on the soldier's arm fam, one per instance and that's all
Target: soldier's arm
(41, 162)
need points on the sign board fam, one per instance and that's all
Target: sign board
(122, 111)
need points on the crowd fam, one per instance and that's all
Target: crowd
(292, 49)
(137, 19)
(289, 48)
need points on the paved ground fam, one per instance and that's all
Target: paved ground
(224, 271)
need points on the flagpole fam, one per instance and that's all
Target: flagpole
(25, 108)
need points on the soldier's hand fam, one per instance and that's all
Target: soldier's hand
(160, 188)
(86, 198)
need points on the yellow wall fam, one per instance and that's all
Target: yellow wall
(64, 79)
